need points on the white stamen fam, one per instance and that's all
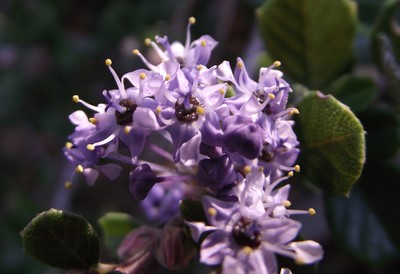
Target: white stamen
(144, 60)
(116, 78)
(106, 140)
(89, 106)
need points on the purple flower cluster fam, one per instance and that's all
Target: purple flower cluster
(184, 137)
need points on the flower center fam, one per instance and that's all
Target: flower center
(261, 99)
(246, 233)
(124, 118)
(266, 154)
(187, 112)
(181, 61)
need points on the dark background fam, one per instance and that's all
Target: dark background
(51, 50)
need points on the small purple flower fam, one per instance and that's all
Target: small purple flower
(162, 201)
(141, 180)
(267, 96)
(279, 150)
(249, 238)
(216, 173)
(189, 55)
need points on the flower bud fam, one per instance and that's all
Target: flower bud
(141, 180)
(176, 248)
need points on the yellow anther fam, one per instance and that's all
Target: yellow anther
(203, 43)
(277, 63)
(299, 261)
(271, 96)
(192, 20)
(135, 51)
(158, 110)
(200, 110)
(287, 203)
(261, 169)
(247, 169)
(212, 211)
(247, 250)
(297, 168)
(93, 120)
(108, 62)
(90, 147)
(142, 75)
(68, 185)
(240, 64)
(68, 145)
(221, 91)
(147, 41)
(294, 111)
(312, 211)
(127, 129)
(199, 67)
(167, 77)
(79, 169)
(290, 174)
(75, 98)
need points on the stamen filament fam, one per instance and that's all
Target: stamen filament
(116, 78)
(105, 141)
(144, 60)
(76, 99)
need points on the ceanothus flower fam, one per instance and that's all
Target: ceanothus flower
(87, 162)
(245, 235)
(195, 106)
(162, 201)
(182, 138)
(189, 55)
(267, 96)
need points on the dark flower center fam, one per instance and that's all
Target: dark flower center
(124, 118)
(261, 99)
(187, 114)
(246, 232)
(181, 61)
(266, 154)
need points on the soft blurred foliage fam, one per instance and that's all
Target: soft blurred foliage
(51, 50)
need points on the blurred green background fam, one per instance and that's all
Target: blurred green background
(51, 50)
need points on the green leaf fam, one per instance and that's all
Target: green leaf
(61, 239)
(332, 143)
(357, 92)
(115, 226)
(117, 223)
(357, 228)
(312, 38)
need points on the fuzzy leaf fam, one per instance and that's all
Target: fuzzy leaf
(332, 143)
(61, 239)
(312, 38)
